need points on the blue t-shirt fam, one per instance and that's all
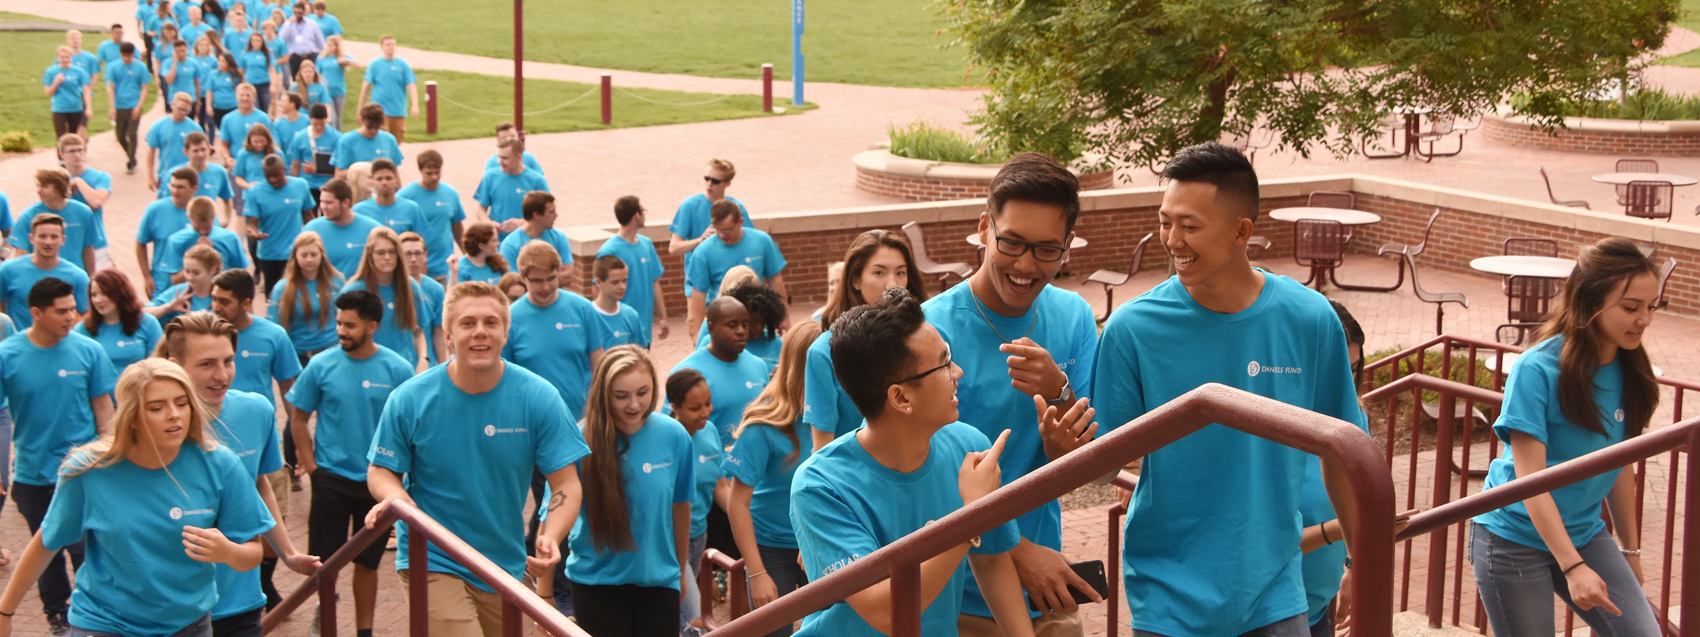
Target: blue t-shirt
(304, 145)
(247, 426)
(256, 67)
(236, 41)
(328, 24)
(469, 459)
(122, 349)
(528, 160)
(655, 473)
(705, 443)
(208, 64)
(278, 212)
(643, 269)
(556, 342)
(1324, 566)
(401, 216)
(250, 166)
(712, 258)
(435, 293)
(846, 505)
(759, 459)
(89, 64)
(222, 86)
(503, 193)
(18, 275)
(225, 242)
(191, 78)
(354, 147)
(306, 332)
(263, 353)
(49, 389)
(825, 405)
(214, 183)
(1062, 323)
(132, 519)
(160, 220)
(1188, 570)
(512, 244)
(732, 385)
(5, 213)
(109, 53)
(167, 295)
(166, 136)
(96, 180)
(440, 209)
(79, 229)
(284, 129)
(1532, 408)
(695, 215)
(467, 271)
(335, 76)
(192, 32)
(767, 349)
(234, 127)
(280, 55)
(390, 334)
(389, 80)
(127, 81)
(343, 244)
(68, 98)
(349, 395)
(623, 326)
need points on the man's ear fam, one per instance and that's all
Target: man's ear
(897, 399)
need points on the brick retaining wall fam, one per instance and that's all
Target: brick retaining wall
(917, 188)
(1623, 143)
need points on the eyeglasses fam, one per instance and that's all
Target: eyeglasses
(713, 180)
(948, 361)
(383, 253)
(1015, 248)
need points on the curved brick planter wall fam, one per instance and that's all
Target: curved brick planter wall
(882, 173)
(1603, 136)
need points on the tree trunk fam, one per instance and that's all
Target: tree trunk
(1208, 126)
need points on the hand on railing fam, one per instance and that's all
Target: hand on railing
(1063, 432)
(377, 513)
(980, 474)
(542, 561)
(302, 563)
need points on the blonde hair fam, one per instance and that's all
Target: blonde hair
(406, 318)
(780, 404)
(467, 290)
(295, 282)
(202, 209)
(738, 275)
(131, 394)
(538, 254)
(360, 178)
(198, 323)
(206, 256)
(725, 167)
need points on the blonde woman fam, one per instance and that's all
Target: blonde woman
(157, 496)
(407, 315)
(305, 303)
(332, 65)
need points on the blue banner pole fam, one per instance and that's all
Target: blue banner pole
(797, 52)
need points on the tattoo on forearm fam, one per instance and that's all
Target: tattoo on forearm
(557, 500)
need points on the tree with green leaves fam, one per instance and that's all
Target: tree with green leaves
(1137, 80)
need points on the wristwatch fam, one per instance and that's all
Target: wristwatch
(1062, 396)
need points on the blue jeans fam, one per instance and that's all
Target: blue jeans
(1295, 626)
(691, 608)
(1517, 584)
(786, 574)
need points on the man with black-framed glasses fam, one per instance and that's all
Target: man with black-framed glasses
(1024, 344)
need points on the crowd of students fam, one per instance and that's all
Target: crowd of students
(467, 382)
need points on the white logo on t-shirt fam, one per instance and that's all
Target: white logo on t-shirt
(618, 333)
(562, 326)
(647, 467)
(1254, 368)
(176, 513)
(244, 353)
(62, 373)
(489, 430)
(705, 458)
(749, 384)
(1619, 415)
(369, 384)
(351, 245)
(1251, 369)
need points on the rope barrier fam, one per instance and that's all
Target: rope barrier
(641, 98)
(551, 109)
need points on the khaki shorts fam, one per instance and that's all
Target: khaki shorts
(459, 609)
(396, 126)
(280, 490)
(1059, 624)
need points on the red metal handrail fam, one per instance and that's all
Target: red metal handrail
(1113, 554)
(517, 600)
(1371, 491)
(737, 588)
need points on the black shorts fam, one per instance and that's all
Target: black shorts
(339, 508)
(239, 625)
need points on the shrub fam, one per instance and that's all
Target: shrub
(1645, 104)
(15, 142)
(924, 140)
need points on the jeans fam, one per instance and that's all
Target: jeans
(201, 628)
(1295, 626)
(1324, 627)
(691, 608)
(1517, 584)
(55, 582)
(262, 101)
(787, 576)
(337, 102)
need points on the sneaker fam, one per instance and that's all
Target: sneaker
(57, 624)
(313, 629)
(389, 545)
(130, 167)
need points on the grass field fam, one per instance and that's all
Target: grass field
(494, 94)
(24, 55)
(872, 42)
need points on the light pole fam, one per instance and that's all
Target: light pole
(797, 52)
(519, 67)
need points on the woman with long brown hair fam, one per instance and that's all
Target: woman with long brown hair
(305, 303)
(761, 464)
(407, 314)
(482, 259)
(1586, 385)
(630, 537)
(876, 261)
(116, 320)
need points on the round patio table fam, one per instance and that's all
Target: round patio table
(1623, 179)
(1345, 217)
(1517, 265)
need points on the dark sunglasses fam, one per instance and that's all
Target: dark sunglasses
(713, 180)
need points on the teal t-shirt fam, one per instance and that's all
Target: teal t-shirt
(518, 239)
(96, 180)
(390, 332)
(68, 98)
(1062, 323)
(222, 86)
(401, 216)
(166, 135)
(190, 78)
(167, 295)
(732, 385)
(767, 349)
(256, 67)
(440, 209)
(214, 183)
(846, 505)
(695, 215)
(226, 243)
(623, 326)
(1234, 565)
(712, 258)
(555, 342)
(304, 145)
(1532, 408)
(284, 129)
(263, 354)
(467, 271)
(122, 349)
(335, 76)
(527, 159)
(353, 147)
(344, 244)
(435, 294)
(127, 81)
(80, 229)
(825, 405)
(137, 580)
(306, 333)
(503, 193)
(49, 389)
(234, 127)
(762, 458)
(469, 459)
(349, 394)
(705, 443)
(18, 275)
(655, 473)
(250, 165)
(160, 220)
(389, 80)
(247, 426)
(643, 268)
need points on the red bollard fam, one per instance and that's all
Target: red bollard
(607, 99)
(431, 108)
(767, 88)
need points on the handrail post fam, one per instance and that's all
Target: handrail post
(906, 599)
(1691, 540)
(418, 575)
(327, 605)
(1113, 569)
(1440, 493)
(512, 622)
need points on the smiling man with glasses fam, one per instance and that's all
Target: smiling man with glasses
(1023, 344)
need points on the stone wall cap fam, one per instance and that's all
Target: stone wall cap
(1626, 126)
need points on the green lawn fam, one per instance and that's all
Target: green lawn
(24, 55)
(495, 94)
(872, 42)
